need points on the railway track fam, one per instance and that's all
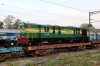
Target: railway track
(41, 59)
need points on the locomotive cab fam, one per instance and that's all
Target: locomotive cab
(22, 40)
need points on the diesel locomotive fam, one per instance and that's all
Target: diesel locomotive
(8, 37)
(36, 34)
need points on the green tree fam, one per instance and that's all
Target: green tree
(17, 24)
(86, 26)
(1, 24)
(9, 21)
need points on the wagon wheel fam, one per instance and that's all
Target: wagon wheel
(33, 54)
(9, 55)
(95, 46)
(42, 52)
(83, 47)
(2, 57)
(91, 46)
(76, 48)
(48, 51)
(45, 52)
(80, 48)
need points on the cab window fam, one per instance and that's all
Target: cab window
(59, 30)
(46, 29)
(53, 30)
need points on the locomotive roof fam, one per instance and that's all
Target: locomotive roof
(55, 25)
(9, 31)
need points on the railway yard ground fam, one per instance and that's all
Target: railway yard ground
(87, 57)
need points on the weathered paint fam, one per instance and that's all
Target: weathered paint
(11, 49)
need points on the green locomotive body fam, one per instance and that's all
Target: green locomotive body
(40, 34)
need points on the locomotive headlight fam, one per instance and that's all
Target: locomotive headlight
(12, 43)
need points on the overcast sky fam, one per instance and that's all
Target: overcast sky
(53, 12)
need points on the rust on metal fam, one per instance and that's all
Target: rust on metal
(5, 56)
(56, 46)
(25, 48)
(34, 54)
(42, 51)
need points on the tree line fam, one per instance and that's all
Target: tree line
(11, 23)
(86, 26)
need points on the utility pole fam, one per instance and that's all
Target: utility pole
(91, 13)
(89, 23)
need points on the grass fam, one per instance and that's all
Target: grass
(81, 60)
(9, 63)
(29, 64)
(88, 59)
(50, 63)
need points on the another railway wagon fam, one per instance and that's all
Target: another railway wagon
(98, 36)
(94, 36)
(35, 34)
(8, 43)
(95, 39)
(6, 53)
(8, 37)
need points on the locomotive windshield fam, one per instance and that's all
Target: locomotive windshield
(22, 30)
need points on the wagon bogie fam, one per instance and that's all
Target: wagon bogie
(6, 53)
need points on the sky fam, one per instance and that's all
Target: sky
(52, 12)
